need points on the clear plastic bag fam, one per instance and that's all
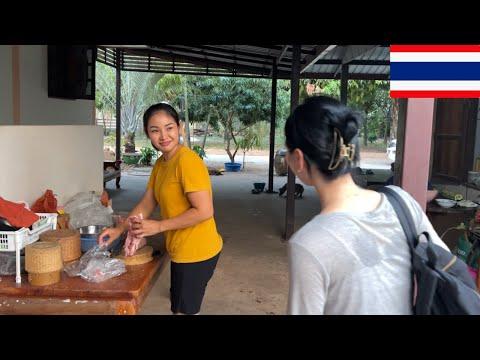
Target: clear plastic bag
(96, 266)
(86, 209)
(80, 201)
(95, 214)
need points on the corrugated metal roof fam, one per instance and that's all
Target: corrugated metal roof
(317, 61)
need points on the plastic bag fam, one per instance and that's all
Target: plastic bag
(95, 214)
(8, 264)
(96, 266)
(86, 209)
(80, 201)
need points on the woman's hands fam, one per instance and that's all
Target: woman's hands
(108, 236)
(139, 228)
(145, 227)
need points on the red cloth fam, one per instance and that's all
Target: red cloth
(46, 204)
(16, 214)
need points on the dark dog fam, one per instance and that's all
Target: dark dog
(298, 191)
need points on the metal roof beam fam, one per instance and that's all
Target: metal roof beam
(343, 52)
(354, 51)
(320, 50)
(282, 53)
(213, 48)
(208, 54)
(353, 62)
(351, 76)
(167, 55)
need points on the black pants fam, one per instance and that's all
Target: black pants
(188, 282)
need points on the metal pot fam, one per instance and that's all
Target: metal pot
(91, 231)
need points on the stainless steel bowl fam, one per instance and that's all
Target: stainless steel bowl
(91, 231)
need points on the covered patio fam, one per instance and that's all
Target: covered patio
(343, 62)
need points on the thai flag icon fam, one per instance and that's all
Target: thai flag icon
(435, 71)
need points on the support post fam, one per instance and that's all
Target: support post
(344, 85)
(273, 113)
(294, 95)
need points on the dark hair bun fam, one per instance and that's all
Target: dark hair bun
(311, 128)
(352, 124)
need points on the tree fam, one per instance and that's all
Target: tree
(382, 111)
(136, 94)
(372, 98)
(283, 111)
(394, 118)
(238, 104)
(178, 90)
(251, 139)
(101, 107)
(362, 96)
(201, 108)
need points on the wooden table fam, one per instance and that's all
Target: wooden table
(122, 295)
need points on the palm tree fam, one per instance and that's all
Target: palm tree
(137, 92)
(174, 89)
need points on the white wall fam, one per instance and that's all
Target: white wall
(6, 101)
(36, 108)
(65, 159)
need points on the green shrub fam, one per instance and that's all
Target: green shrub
(147, 155)
(198, 149)
(130, 160)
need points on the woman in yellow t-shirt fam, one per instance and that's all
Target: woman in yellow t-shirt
(180, 185)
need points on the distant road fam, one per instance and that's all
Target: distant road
(373, 163)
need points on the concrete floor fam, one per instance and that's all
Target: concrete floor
(252, 272)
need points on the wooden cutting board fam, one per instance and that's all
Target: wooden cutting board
(142, 256)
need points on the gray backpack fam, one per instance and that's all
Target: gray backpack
(441, 283)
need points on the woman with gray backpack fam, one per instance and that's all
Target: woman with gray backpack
(362, 254)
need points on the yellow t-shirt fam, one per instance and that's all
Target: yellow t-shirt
(171, 181)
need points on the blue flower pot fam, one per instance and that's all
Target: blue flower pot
(233, 166)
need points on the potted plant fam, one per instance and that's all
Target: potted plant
(200, 151)
(147, 154)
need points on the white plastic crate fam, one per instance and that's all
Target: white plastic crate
(25, 236)
(17, 240)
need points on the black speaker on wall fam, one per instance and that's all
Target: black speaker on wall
(71, 71)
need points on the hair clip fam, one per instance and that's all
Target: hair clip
(345, 151)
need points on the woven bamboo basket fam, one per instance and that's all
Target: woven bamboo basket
(44, 279)
(69, 240)
(43, 257)
(142, 256)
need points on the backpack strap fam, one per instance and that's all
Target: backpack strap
(408, 225)
(403, 214)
